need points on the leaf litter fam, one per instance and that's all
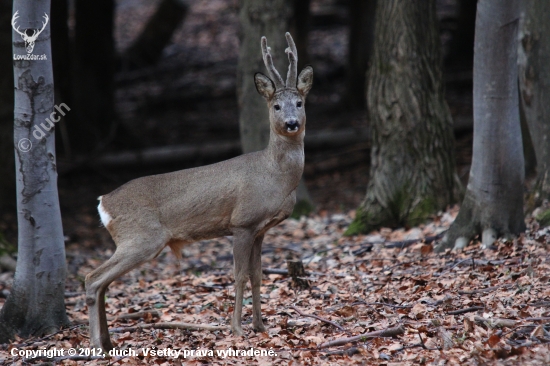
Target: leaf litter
(383, 299)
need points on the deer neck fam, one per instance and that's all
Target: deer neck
(287, 154)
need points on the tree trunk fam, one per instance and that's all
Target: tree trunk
(93, 78)
(35, 305)
(272, 19)
(534, 76)
(360, 48)
(7, 169)
(461, 49)
(147, 48)
(301, 24)
(412, 162)
(493, 204)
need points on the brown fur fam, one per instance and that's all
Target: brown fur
(243, 197)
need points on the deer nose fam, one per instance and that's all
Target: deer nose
(292, 125)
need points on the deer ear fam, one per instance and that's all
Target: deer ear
(305, 80)
(264, 85)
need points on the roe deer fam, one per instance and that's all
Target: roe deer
(243, 197)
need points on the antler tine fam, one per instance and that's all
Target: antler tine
(268, 61)
(293, 59)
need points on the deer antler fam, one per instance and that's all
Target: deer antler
(13, 21)
(293, 59)
(268, 61)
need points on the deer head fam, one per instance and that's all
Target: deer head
(286, 101)
(29, 40)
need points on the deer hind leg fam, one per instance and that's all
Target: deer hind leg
(255, 268)
(128, 255)
(243, 241)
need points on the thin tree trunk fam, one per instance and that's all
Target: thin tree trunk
(7, 168)
(534, 76)
(147, 48)
(35, 305)
(360, 48)
(493, 204)
(93, 78)
(461, 49)
(412, 162)
(301, 24)
(272, 19)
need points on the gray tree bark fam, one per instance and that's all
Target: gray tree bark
(534, 76)
(493, 204)
(272, 19)
(35, 305)
(7, 168)
(412, 162)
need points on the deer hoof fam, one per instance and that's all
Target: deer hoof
(260, 328)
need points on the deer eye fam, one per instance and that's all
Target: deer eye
(299, 104)
(277, 107)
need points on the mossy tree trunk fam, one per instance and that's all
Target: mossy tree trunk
(493, 205)
(36, 304)
(272, 19)
(534, 76)
(412, 162)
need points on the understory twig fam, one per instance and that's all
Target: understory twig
(318, 318)
(169, 326)
(383, 304)
(464, 311)
(487, 289)
(389, 332)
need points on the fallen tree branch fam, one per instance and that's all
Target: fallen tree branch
(169, 326)
(383, 304)
(482, 290)
(318, 318)
(466, 310)
(389, 332)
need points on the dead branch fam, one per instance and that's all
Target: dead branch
(138, 315)
(169, 326)
(464, 311)
(389, 332)
(343, 352)
(482, 290)
(278, 271)
(382, 304)
(318, 318)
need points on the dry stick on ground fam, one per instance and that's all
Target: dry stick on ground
(389, 332)
(482, 290)
(464, 311)
(169, 326)
(318, 318)
(383, 304)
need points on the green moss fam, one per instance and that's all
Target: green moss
(302, 208)
(421, 211)
(359, 225)
(6, 247)
(544, 218)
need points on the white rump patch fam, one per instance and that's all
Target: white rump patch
(104, 215)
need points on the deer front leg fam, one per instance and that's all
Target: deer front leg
(255, 268)
(243, 242)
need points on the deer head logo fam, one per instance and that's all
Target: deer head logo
(29, 40)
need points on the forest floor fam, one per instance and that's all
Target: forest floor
(378, 299)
